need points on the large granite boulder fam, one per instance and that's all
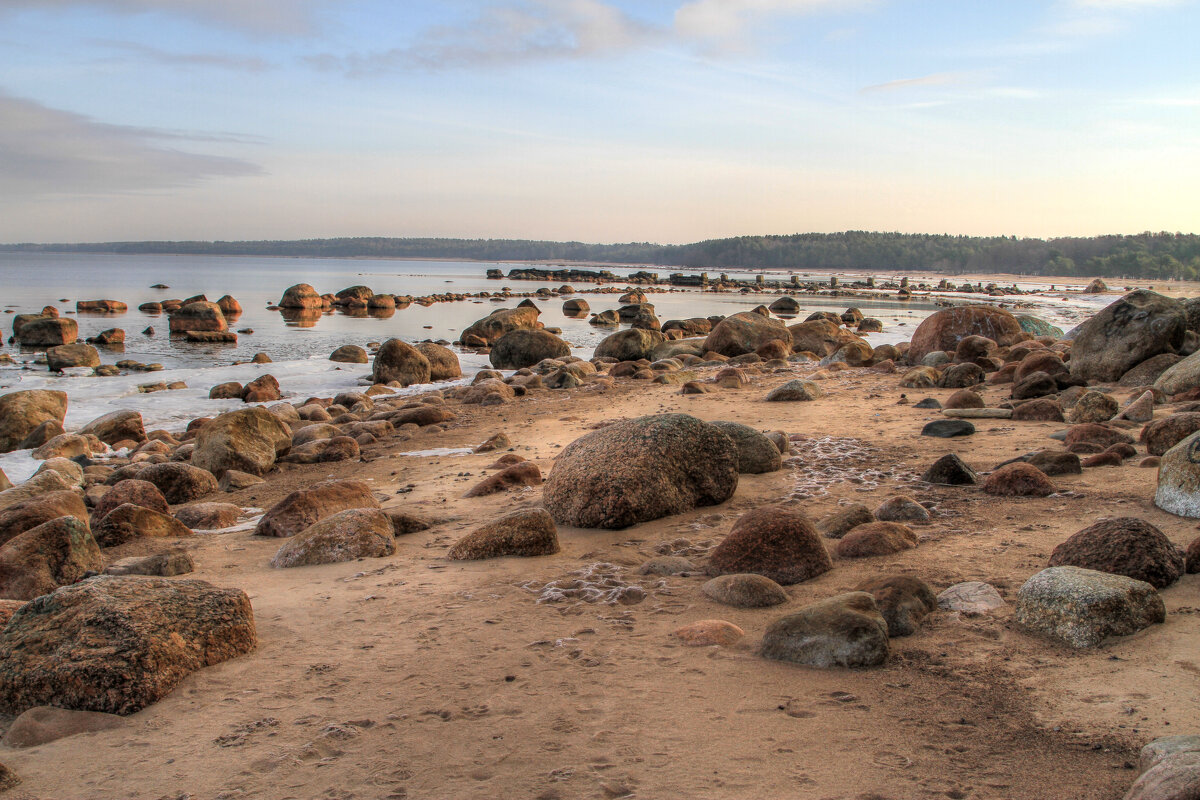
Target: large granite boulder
(399, 361)
(131, 490)
(525, 347)
(1178, 479)
(304, 507)
(1180, 376)
(443, 363)
(301, 296)
(1123, 546)
(778, 542)
(756, 453)
(1083, 607)
(522, 533)
(944, 329)
(41, 559)
(118, 644)
(180, 483)
(641, 469)
(818, 336)
(630, 345)
(745, 332)
(198, 316)
(117, 426)
(489, 329)
(76, 354)
(1139, 325)
(344, 536)
(846, 630)
(22, 412)
(248, 440)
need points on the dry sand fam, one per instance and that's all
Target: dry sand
(416, 677)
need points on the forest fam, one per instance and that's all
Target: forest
(1159, 256)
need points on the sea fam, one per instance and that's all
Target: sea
(299, 351)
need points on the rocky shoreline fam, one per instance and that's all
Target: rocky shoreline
(955, 567)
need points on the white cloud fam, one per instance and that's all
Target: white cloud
(729, 19)
(260, 16)
(936, 79)
(1120, 5)
(46, 151)
(144, 52)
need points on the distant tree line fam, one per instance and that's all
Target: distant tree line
(1158, 256)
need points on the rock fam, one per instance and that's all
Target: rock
(958, 376)
(322, 451)
(928, 402)
(920, 378)
(304, 507)
(792, 391)
(641, 469)
(5, 483)
(1018, 480)
(839, 523)
(117, 645)
(1035, 384)
(128, 522)
(629, 345)
(497, 441)
(775, 541)
(234, 480)
(22, 412)
(165, 565)
(1097, 286)
(1141, 409)
(1044, 361)
(666, 565)
(248, 440)
(902, 599)
(1123, 546)
(944, 329)
(576, 307)
(499, 322)
(526, 473)
(1095, 433)
(345, 536)
(44, 433)
(709, 632)
(301, 296)
(43, 558)
(1093, 406)
(180, 483)
(230, 390)
(209, 516)
(1150, 370)
(41, 331)
(1139, 325)
(39, 484)
(965, 398)
(131, 490)
(117, 426)
(1053, 462)
(1175, 777)
(399, 361)
(876, 539)
(745, 590)
(948, 428)
(1181, 377)
(261, 390)
(756, 453)
(28, 514)
(70, 472)
(1178, 479)
(819, 336)
(971, 597)
(77, 354)
(901, 508)
(522, 533)
(1166, 747)
(45, 724)
(1041, 410)
(1161, 435)
(1038, 326)
(950, 470)
(443, 363)
(1082, 607)
(349, 354)
(524, 348)
(846, 630)
(745, 332)
(200, 317)
(785, 305)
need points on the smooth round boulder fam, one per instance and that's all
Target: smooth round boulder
(22, 412)
(778, 542)
(948, 428)
(28, 514)
(117, 426)
(1139, 325)
(345, 536)
(901, 508)
(248, 440)
(1163, 434)
(304, 507)
(198, 316)
(1083, 607)
(128, 522)
(76, 354)
(301, 295)
(489, 329)
(756, 453)
(131, 490)
(944, 329)
(746, 590)
(349, 354)
(1123, 546)
(745, 332)
(443, 363)
(846, 630)
(521, 533)
(399, 361)
(794, 391)
(630, 345)
(902, 599)
(1018, 480)
(641, 469)
(524, 347)
(53, 554)
(876, 539)
(180, 483)
(1178, 489)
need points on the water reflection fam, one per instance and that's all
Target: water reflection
(301, 317)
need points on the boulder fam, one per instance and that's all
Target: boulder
(46, 432)
(778, 542)
(45, 724)
(230, 390)
(920, 378)
(876, 539)
(576, 307)
(64, 445)
(1038, 326)
(1174, 777)
(117, 426)
(1093, 406)
(349, 354)
(41, 559)
(40, 331)
(846, 630)
(76, 354)
(525, 473)
(180, 483)
(304, 507)
(1097, 286)
(39, 484)
(1123, 546)
(1180, 377)
(1083, 607)
(901, 508)
(525, 347)
(948, 428)
(399, 361)
(1139, 325)
(248, 440)
(745, 590)
(944, 329)
(958, 376)
(521, 533)
(1018, 480)
(301, 296)
(131, 490)
(22, 412)
(1150, 370)
(950, 470)
(1045, 361)
(794, 391)
(839, 523)
(964, 398)
(323, 451)
(28, 514)
(128, 522)
(200, 316)
(756, 453)
(641, 469)
(1095, 433)
(819, 336)
(499, 322)
(709, 632)
(629, 345)
(1163, 434)
(970, 597)
(1179, 479)
(902, 599)
(345, 536)
(745, 332)
(262, 389)
(443, 363)
(209, 516)
(116, 645)
(1041, 410)
(166, 565)
(234, 480)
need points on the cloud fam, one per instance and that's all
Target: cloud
(46, 152)
(511, 34)
(220, 60)
(936, 79)
(281, 17)
(728, 20)
(1123, 5)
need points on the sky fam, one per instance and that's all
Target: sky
(595, 120)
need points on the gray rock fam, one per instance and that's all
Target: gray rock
(1179, 479)
(666, 565)
(793, 391)
(948, 428)
(1181, 376)
(846, 630)
(950, 470)
(1176, 777)
(756, 453)
(1139, 325)
(745, 591)
(161, 564)
(971, 597)
(1159, 749)
(1083, 607)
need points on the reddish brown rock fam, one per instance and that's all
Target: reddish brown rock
(28, 514)
(209, 516)
(22, 412)
(344, 536)
(775, 541)
(746, 332)
(946, 328)
(132, 490)
(526, 473)
(180, 483)
(522, 533)
(1095, 433)
(1018, 480)
(302, 508)
(1161, 435)
(1123, 546)
(876, 539)
(902, 599)
(708, 632)
(399, 361)
(1043, 409)
(41, 559)
(248, 440)
(261, 390)
(128, 522)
